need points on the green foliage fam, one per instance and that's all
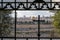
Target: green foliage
(5, 22)
(56, 21)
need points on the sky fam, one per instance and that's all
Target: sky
(33, 13)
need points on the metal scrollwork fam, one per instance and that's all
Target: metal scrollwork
(32, 5)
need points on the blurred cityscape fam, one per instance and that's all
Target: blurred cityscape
(27, 27)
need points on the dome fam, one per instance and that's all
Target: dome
(33, 17)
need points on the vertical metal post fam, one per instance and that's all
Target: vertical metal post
(2, 3)
(1, 15)
(50, 3)
(38, 5)
(15, 24)
(38, 27)
(50, 38)
(1, 38)
(26, 38)
(27, 3)
(15, 19)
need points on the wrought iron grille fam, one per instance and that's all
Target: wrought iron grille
(27, 5)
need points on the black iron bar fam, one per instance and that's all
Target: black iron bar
(38, 27)
(26, 38)
(1, 7)
(27, 3)
(1, 38)
(50, 3)
(15, 24)
(2, 3)
(50, 38)
(15, 19)
(38, 5)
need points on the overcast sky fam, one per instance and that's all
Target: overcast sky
(33, 13)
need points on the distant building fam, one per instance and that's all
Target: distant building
(28, 20)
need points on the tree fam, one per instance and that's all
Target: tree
(56, 21)
(5, 23)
